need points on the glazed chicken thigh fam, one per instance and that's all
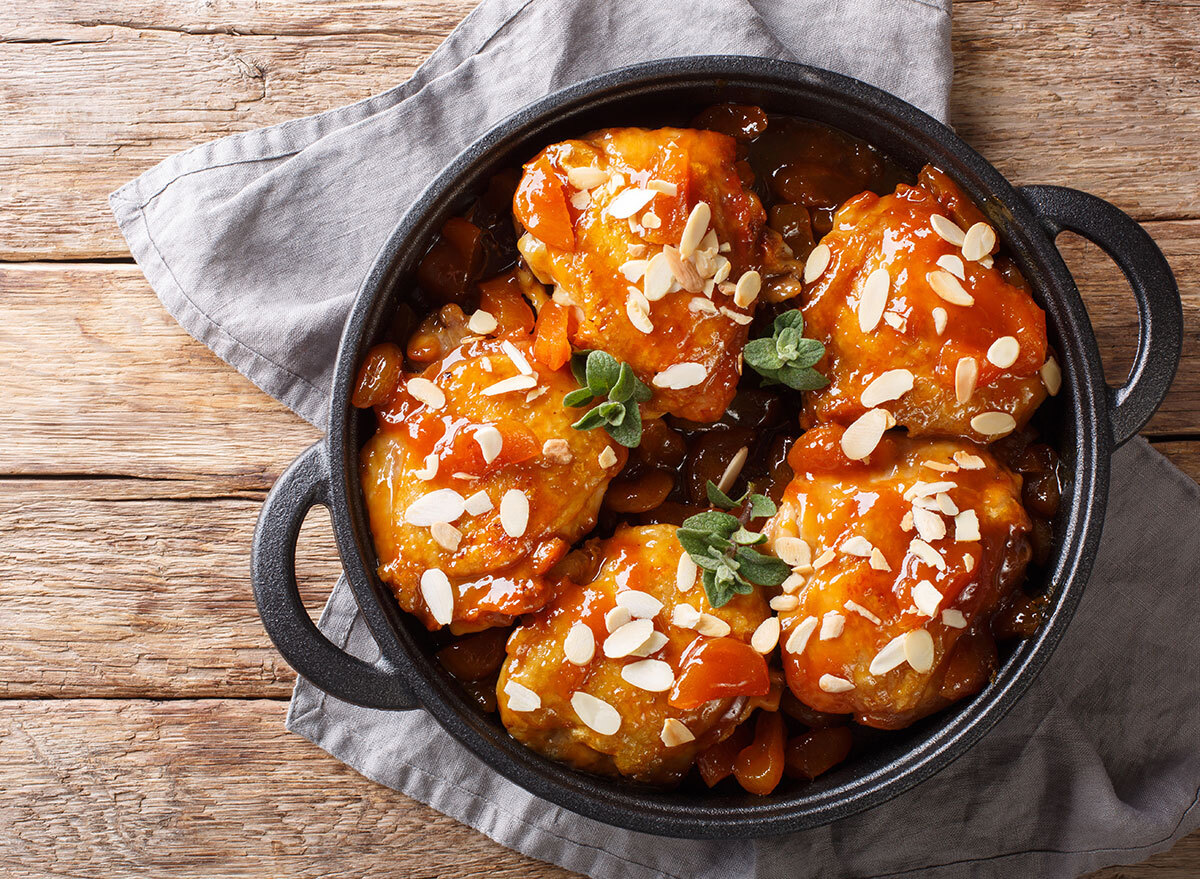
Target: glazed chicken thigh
(659, 252)
(900, 560)
(627, 674)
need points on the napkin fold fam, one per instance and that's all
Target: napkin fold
(257, 243)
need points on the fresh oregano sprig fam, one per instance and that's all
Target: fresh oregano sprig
(786, 357)
(603, 378)
(720, 545)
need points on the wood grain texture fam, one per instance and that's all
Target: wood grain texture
(97, 92)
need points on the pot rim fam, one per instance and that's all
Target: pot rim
(950, 732)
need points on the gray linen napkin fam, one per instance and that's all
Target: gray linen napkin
(256, 244)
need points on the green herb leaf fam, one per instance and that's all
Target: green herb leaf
(718, 498)
(787, 357)
(790, 320)
(761, 506)
(765, 570)
(760, 354)
(602, 372)
(579, 367)
(742, 537)
(714, 522)
(578, 397)
(805, 379)
(590, 420)
(619, 391)
(628, 429)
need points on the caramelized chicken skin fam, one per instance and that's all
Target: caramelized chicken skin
(925, 327)
(606, 217)
(703, 685)
(912, 549)
(474, 495)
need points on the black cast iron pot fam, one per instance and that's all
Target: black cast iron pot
(1085, 422)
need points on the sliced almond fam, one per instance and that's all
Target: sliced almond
(966, 527)
(966, 373)
(685, 616)
(713, 626)
(948, 230)
(637, 309)
(991, 424)
(675, 733)
(650, 220)
(514, 512)
(683, 271)
(557, 451)
(857, 546)
(651, 675)
(949, 288)
(430, 468)
(748, 287)
(685, 573)
(890, 656)
(978, 241)
(801, 632)
(817, 263)
(694, 229)
(721, 269)
(766, 636)
(953, 264)
(629, 201)
(656, 642)
(425, 391)
(929, 525)
(438, 596)
(927, 598)
(521, 698)
(861, 437)
(794, 583)
(518, 359)
(736, 317)
(586, 177)
(699, 304)
(482, 322)
(890, 385)
(939, 319)
(641, 605)
(658, 277)
(895, 321)
(906, 523)
(664, 186)
(445, 535)
(490, 442)
(615, 618)
(834, 684)
(1004, 352)
(954, 619)
(633, 270)
(709, 242)
(926, 553)
(478, 503)
(443, 505)
(946, 504)
(793, 551)
(596, 714)
(918, 650)
(678, 376)
(580, 645)
(1051, 375)
(832, 626)
(784, 603)
(857, 608)
(628, 638)
(878, 561)
(823, 559)
(967, 461)
(733, 469)
(508, 385)
(873, 299)
(607, 458)
(927, 489)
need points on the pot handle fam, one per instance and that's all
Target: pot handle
(1160, 311)
(273, 573)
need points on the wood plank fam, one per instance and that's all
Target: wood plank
(218, 787)
(97, 92)
(210, 788)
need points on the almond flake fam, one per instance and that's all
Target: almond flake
(736, 317)
(675, 733)
(514, 512)
(946, 504)
(580, 200)
(748, 287)
(969, 563)
(834, 684)
(948, 230)
(700, 304)
(709, 242)
(927, 598)
(596, 714)
(482, 322)
(793, 551)
(949, 288)
(793, 583)
(890, 656)
(438, 596)
(682, 271)
(521, 698)
(508, 385)
(939, 320)
(968, 461)
(580, 645)
(733, 469)
(979, 241)
(629, 201)
(516, 357)
(685, 616)
(993, 423)
(445, 535)
(650, 220)
(966, 373)
(873, 299)
(855, 607)
(637, 309)
(628, 638)
(443, 505)
(906, 523)
(651, 675)
(832, 625)
(954, 265)
(861, 437)
(721, 269)
(1051, 375)
(986, 262)
(784, 603)
(801, 632)
(694, 229)
(816, 263)
(615, 618)
(557, 451)
(940, 466)
(680, 375)
(639, 604)
(633, 270)
(918, 650)
(857, 546)
(663, 186)
(926, 553)
(766, 636)
(607, 458)
(823, 559)
(1004, 352)
(478, 503)
(713, 626)
(430, 469)
(656, 642)
(890, 385)
(685, 573)
(425, 391)
(658, 277)
(637, 250)
(586, 177)
(895, 321)
(954, 619)
(878, 561)
(966, 527)
(929, 525)
(490, 441)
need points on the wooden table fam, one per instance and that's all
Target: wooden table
(141, 727)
